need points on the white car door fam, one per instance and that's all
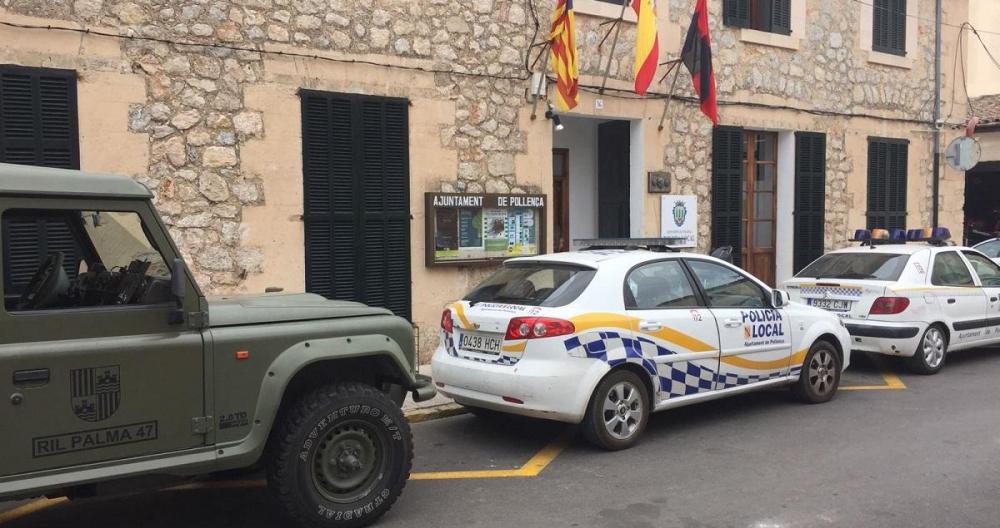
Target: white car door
(755, 337)
(669, 314)
(988, 273)
(962, 300)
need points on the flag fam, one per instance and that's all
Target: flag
(697, 56)
(563, 56)
(647, 44)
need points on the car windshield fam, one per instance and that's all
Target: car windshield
(871, 266)
(533, 284)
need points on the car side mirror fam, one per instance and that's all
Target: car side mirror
(780, 298)
(178, 289)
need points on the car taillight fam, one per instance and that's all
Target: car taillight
(889, 305)
(446, 323)
(534, 327)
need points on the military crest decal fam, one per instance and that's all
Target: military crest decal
(95, 393)
(680, 213)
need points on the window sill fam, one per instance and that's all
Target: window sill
(764, 38)
(602, 9)
(888, 59)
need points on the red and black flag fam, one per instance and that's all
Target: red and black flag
(697, 56)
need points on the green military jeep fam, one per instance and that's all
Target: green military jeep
(117, 371)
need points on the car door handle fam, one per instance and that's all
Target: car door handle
(994, 299)
(31, 376)
(951, 301)
(650, 326)
(732, 323)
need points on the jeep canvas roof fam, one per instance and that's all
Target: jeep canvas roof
(47, 181)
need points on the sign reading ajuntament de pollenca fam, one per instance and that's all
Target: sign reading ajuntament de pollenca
(475, 228)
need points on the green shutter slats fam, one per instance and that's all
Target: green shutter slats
(887, 175)
(781, 16)
(355, 153)
(889, 26)
(727, 189)
(736, 13)
(810, 198)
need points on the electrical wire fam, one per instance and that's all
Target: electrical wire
(918, 17)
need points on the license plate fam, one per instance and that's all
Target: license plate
(836, 305)
(485, 344)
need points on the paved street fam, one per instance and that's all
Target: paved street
(925, 455)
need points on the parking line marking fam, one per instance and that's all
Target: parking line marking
(892, 382)
(532, 468)
(29, 508)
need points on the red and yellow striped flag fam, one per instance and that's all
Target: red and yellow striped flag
(564, 56)
(647, 44)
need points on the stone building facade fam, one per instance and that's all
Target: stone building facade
(199, 100)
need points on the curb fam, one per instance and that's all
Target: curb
(435, 412)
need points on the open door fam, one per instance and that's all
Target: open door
(613, 140)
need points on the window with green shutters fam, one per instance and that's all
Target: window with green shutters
(810, 198)
(889, 26)
(773, 16)
(38, 126)
(355, 158)
(727, 189)
(887, 168)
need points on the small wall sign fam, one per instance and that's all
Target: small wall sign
(679, 218)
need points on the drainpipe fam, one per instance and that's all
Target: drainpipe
(937, 110)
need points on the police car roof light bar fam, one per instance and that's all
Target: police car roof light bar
(936, 236)
(630, 244)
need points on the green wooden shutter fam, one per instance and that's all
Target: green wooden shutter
(781, 17)
(38, 126)
(355, 158)
(887, 175)
(810, 198)
(727, 189)
(736, 13)
(889, 26)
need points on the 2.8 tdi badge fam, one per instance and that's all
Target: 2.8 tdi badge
(95, 392)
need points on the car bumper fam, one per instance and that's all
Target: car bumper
(894, 339)
(555, 389)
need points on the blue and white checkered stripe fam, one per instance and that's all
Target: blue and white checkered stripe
(502, 359)
(832, 290)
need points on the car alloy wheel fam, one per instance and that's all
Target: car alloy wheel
(822, 371)
(622, 410)
(933, 347)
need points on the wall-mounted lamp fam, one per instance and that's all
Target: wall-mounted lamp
(550, 114)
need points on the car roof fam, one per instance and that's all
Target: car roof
(47, 181)
(893, 249)
(595, 258)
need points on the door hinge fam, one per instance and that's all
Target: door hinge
(198, 319)
(202, 424)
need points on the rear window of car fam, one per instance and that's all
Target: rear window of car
(870, 266)
(533, 284)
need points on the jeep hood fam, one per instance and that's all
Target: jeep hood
(232, 310)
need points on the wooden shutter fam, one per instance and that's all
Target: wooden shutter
(727, 189)
(355, 158)
(810, 198)
(887, 174)
(38, 126)
(889, 26)
(781, 16)
(736, 13)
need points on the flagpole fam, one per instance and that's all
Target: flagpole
(614, 44)
(670, 94)
(543, 82)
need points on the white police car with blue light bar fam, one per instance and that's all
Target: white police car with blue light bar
(907, 293)
(606, 336)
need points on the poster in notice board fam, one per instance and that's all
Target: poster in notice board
(476, 228)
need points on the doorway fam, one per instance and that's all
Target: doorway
(982, 213)
(560, 199)
(760, 203)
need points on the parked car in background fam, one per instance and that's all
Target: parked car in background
(607, 336)
(990, 248)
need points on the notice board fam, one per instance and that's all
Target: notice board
(480, 228)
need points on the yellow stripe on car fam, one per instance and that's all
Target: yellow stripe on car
(742, 362)
(594, 320)
(460, 312)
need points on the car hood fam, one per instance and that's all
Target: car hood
(231, 310)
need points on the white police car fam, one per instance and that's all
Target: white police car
(918, 300)
(606, 336)
(990, 248)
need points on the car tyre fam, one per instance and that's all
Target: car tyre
(820, 376)
(618, 411)
(931, 352)
(341, 458)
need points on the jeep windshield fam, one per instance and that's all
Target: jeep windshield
(863, 266)
(533, 284)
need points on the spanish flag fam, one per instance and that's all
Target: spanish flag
(647, 44)
(564, 56)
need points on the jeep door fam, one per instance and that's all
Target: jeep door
(99, 372)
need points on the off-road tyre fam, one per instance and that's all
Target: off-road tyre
(364, 432)
(820, 376)
(930, 355)
(595, 422)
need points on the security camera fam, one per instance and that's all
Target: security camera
(939, 123)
